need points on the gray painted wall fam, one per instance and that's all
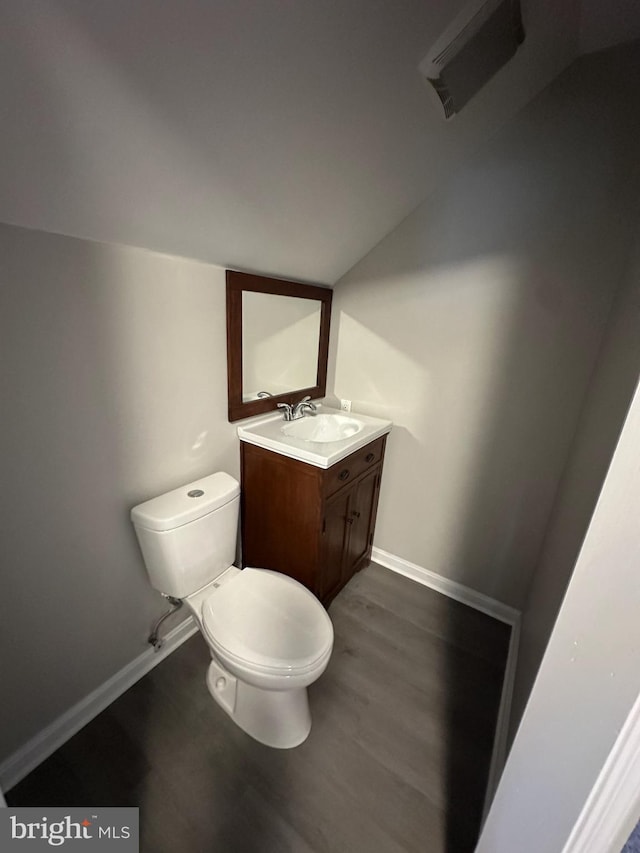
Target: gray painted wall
(603, 414)
(476, 326)
(588, 681)
(278, 137)
(113, 390)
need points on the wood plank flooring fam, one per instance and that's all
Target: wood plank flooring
(396, 762)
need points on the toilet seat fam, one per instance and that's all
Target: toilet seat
(268, 622)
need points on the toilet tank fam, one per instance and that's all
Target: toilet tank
(188, 536)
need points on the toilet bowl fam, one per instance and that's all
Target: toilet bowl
(268, 641)
(268, 635)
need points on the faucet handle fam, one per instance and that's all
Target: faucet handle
(287, 410)
(300, 406)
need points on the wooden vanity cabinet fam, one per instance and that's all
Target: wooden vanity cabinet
(311, 523)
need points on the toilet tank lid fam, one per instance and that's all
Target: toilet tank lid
(186, 503)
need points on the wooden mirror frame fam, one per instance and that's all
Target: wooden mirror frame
(237, 282)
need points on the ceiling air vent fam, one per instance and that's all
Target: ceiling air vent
(472, 49)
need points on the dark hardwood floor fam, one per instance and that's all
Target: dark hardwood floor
(396, 762)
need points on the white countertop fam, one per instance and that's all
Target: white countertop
(266, 431)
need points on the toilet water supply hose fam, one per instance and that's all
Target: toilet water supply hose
(156, 641)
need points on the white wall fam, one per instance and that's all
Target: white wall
(589, 678)
(113, 390)
(476, 324)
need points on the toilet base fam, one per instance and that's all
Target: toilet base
(276, 718)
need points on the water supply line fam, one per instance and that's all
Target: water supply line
(154, 640)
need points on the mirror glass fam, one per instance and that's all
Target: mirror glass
(277, 342)
(280, 337)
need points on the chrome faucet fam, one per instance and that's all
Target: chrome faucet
(305, 403)
(292, 413)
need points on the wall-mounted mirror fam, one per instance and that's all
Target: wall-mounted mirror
(277, 342)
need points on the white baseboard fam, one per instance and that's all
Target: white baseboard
(452, 589)
(42, 745)
(491, 607)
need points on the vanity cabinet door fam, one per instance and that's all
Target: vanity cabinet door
(347, 530)
(360, 521)
(335, 535)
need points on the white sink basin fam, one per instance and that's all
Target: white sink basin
(322, 428)
(320, 440)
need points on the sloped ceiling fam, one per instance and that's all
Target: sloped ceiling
(279, 136)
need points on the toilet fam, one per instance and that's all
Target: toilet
(268, 635)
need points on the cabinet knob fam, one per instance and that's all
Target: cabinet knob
(343, 475)
(349, 520)
(369, 457)
(355, 513)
